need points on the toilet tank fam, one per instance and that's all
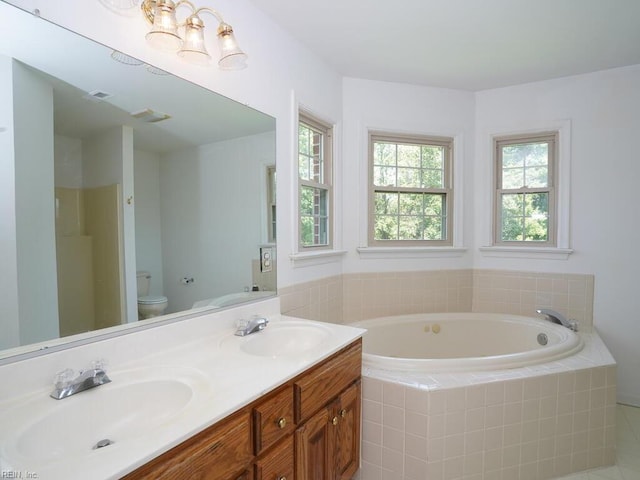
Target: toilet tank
(143, 282)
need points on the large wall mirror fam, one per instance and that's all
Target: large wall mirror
(126, 194)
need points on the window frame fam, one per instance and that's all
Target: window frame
(552, 138)
(447, 143)
(326, 130)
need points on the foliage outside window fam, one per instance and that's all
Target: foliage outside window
(525, 193)
(411, 194)
(314, 182)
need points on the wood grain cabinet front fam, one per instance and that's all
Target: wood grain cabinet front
(306, 429)
(328, 444)
(273, 419)
(218, 453)
(278, 463)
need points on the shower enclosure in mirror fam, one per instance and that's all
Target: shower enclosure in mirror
(126, 193)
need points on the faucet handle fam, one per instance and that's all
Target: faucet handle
(64, 378)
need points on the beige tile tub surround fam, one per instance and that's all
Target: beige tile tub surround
(538, 427)
(521, 293)
(359, 296)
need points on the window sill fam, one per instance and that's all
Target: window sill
(548, 253)
(318, 257)
(410, 252)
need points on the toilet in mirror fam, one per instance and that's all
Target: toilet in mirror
(149, 306)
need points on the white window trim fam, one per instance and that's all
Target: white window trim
(457, 248)
(316, 255)
(562, 249)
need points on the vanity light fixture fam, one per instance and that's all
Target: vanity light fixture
(187, 38)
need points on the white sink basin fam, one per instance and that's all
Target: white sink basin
(132, 406)
(281, 339)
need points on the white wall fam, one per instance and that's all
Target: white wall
(35, 206)
(68, 162)
(604, 112)
(196, 186)
(148, 222)
(9, 325)
(392, 107)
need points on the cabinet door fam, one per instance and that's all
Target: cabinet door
(314, 442)
(346, 416)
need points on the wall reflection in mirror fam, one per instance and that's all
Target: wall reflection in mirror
(127, 193)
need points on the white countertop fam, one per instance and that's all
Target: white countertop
(223, 377)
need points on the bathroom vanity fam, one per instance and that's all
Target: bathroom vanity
(308, 428)
(192, 400)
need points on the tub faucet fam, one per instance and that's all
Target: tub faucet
(67, 383)
(247, 327)
(558, 318)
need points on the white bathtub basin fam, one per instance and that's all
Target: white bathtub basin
(454, 342)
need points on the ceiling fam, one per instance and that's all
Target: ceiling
(464, 44)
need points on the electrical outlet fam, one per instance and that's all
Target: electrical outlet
(266, 259)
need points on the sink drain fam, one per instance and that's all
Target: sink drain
(543, 339)
(103, 443)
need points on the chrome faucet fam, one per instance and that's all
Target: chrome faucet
(247, 327)
(69, 383)
(558, 318)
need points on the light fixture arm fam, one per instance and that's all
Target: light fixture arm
(148, 8)
(213, 12)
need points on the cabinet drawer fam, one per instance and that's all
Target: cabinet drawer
(273, 419)
(217, 453)
(326, 381)
(277, 464)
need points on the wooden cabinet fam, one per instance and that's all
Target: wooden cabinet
(278, 463)
(307, 429)
(220, 452)
(328, 444)
(346, 419)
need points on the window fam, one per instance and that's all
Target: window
(315, 145)
(525, 197)
(271, 203)
(411, 194)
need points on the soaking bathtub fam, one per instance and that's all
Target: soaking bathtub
(453, 342)
(484, 396)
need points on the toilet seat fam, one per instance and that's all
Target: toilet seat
(151, 300)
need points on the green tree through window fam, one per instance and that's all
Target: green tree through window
(410, 189)
(525, 189)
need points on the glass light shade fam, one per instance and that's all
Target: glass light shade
(231, 56)
(193, 48)
(164, 33)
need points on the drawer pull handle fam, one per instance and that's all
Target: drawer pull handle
(282, 422)
(282, 477)
(334, 420)
(343, 413)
